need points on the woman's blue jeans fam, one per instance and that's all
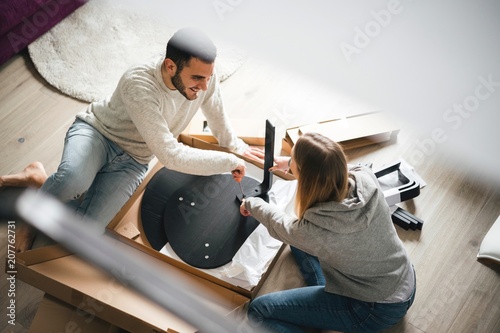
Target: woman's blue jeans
(97, 167)
(291, 310)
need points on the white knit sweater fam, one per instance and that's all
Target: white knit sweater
(144, 118)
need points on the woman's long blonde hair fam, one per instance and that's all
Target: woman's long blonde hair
(322, 171)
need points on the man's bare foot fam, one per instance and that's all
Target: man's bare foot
(25, 235)
(33, 175)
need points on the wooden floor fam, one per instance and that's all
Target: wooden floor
(455, 293)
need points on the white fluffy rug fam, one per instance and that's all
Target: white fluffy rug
(85, 55)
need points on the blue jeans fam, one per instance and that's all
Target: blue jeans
(291, 310)
(97, 167)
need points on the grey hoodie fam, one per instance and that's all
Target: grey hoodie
(355, 240)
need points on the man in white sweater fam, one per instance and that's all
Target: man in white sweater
(109, 146)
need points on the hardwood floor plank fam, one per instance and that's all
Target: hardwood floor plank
(15, 74)
(476, 310)
(446, 268)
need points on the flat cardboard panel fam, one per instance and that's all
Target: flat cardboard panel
(352, 132)
(54, 315)
(77, 283)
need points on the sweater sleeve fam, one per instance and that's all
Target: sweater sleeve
(144, 111)
(213, 109)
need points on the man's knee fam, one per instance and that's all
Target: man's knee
(66, 184)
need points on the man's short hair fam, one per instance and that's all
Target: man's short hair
(189, 43)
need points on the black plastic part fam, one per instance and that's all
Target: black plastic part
(399, 222)
(410, 188)
(267, 181)
(406, 220)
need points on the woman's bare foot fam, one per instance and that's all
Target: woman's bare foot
(33, 175)
(25, 235)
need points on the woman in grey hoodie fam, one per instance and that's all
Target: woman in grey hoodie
(359, 276)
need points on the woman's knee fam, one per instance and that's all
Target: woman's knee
(254, 312)
(259, 308)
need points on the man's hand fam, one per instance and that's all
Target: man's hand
(255, 153)
(239, 172)
(243, 210)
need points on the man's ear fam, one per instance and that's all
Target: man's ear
(170, 66)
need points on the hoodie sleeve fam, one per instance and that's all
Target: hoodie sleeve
(284, 227)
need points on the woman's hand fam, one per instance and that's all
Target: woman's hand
(281, 163)
(243, 210)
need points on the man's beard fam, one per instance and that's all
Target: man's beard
(177, 82)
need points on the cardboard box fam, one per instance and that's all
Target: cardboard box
(352, 132)
(128, 219)
(127, 227)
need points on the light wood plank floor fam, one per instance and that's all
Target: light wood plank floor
(455, 293)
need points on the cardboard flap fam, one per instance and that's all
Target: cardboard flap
(40, 255)
(200, 143)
